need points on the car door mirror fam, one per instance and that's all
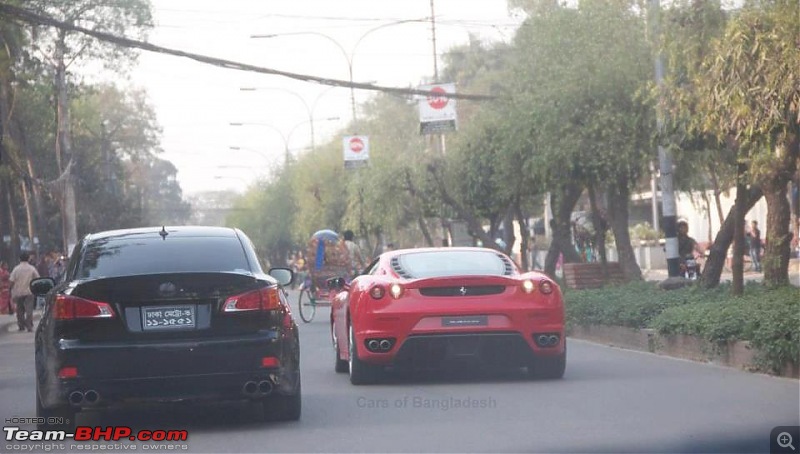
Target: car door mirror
(284, 276)
(336, 283)
(42, 285)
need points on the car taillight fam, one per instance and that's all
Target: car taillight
(396, 290)
(69, 307)
(546, 287)
(68, 372)
(528, 286)
(264, 299)
(377, 292)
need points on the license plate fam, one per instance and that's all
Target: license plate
(470, 320)
(168, 317)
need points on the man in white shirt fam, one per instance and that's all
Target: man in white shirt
(21, 296)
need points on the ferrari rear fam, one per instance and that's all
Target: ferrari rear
(436, 308)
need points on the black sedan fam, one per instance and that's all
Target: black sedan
(165, 314)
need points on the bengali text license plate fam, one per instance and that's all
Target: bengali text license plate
(168, 317)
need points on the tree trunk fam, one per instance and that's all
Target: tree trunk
(740, 205)
(524, 242)
(722, 242)
(618, 199)
(423, 226)
(28, 214)
(64, 150)
(564, 202)
(12, 223)
(708, 213)
(600, 224)
(717, 201)
(778, 236)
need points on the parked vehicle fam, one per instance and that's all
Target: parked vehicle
(165, 314)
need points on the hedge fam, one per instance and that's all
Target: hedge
(769, 318)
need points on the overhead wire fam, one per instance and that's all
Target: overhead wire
(27, 16)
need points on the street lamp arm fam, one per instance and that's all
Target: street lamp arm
(280, 133)
(379, 27)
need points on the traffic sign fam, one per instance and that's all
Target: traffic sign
(356, 151)
(437, 113)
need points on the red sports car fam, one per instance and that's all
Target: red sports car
(429, 308)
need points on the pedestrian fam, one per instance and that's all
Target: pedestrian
(5, 290)
(21, 277)
(354, 255)
(58, 267)
(754, 236)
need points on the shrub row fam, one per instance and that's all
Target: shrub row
(769, 318)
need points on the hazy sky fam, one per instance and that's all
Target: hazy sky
(196, 103)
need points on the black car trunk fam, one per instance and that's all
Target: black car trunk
(166, 306)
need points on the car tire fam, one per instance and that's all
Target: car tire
(548, 367)
(280, 407)
(361, 373)
(58, 418)
(341, 366)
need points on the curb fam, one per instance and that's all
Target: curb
(735, 354)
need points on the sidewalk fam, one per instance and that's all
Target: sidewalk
(794, 274)
(8, 324)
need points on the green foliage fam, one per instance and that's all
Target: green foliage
(769, 318)
(634, 305)
(266, 213)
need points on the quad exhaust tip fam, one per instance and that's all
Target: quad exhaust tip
(91, 397)
(265, 387)
(76, 397)
(380, 345)
(250, 388)
(547, 340)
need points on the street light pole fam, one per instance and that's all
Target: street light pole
(286, 137)
(349, 57)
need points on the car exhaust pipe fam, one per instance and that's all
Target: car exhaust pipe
(250, 388)
(76, 398)
(542, 340)
(373, 345)
(91, 397)
(265, 387)
(385, 345)
(553, 339)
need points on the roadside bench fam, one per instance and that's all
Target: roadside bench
(590, 275)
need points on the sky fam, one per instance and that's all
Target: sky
(195, 104)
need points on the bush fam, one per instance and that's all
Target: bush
(769, 318)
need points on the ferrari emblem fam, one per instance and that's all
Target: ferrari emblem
(463, 291)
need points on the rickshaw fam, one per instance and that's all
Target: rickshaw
(326, 258)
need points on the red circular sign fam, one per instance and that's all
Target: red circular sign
(437, 102)
(356, 145)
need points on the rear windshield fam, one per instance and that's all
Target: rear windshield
(123, 257)
(452, 263)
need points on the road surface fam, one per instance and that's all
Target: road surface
(610, 400)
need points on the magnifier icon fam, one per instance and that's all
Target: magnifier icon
(785, 440)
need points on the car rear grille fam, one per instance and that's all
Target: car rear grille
(467, 290)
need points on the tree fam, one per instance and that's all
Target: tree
(61, 48)
(578, 106)
(748, 94)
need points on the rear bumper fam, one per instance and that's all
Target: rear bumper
(169, 371)
(443, 350)
(508, 335)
